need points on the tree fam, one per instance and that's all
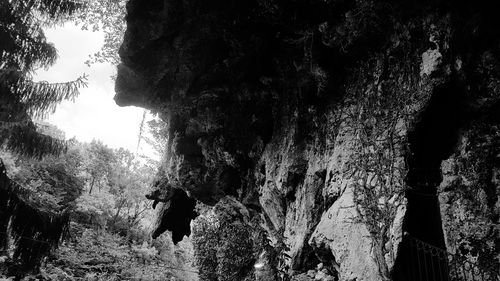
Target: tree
(109, 17)
(158, 131)
(225, 245)
(24, 48)
(128, 183)
(98, 163)
(122, 178)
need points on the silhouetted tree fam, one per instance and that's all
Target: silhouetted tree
(23, 49)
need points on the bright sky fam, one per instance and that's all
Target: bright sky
(94, 114)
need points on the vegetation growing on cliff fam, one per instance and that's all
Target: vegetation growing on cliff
(337, 88)
(226, 245)
(109, 18)
(316, 120)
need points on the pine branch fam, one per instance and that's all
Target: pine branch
(27, 141)
(41, 98)
(10, 125)
(23, 42)
(27, 54)
(55, 10)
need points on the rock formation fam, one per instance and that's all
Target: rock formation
(344, 125)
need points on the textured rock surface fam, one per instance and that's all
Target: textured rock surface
(469, 197)
(328, 118)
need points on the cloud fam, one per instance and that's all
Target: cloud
(94, 114)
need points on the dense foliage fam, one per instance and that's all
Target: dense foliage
(85, 195)
(31, 228)
(109, 18)
(102, 190)
(226, 244)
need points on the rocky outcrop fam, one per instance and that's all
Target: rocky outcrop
(469, 198)
(175, 215)
(341, 123)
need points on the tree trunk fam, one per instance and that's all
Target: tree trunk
(92, 185)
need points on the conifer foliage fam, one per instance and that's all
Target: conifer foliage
(23, 49)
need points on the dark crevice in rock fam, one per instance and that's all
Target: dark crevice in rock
(189, 147)
(306, 258)
(433, 139)
(321, 175)
(228, 180)
(325, 256)
(319, 205)
(294, 180)
(237, 81)
(290, 196)
(319, 200)
(329, 200)
(262, 175)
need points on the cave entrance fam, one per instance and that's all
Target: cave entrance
(422, 253)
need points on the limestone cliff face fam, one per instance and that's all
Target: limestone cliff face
(468, 196)
(343, 124)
